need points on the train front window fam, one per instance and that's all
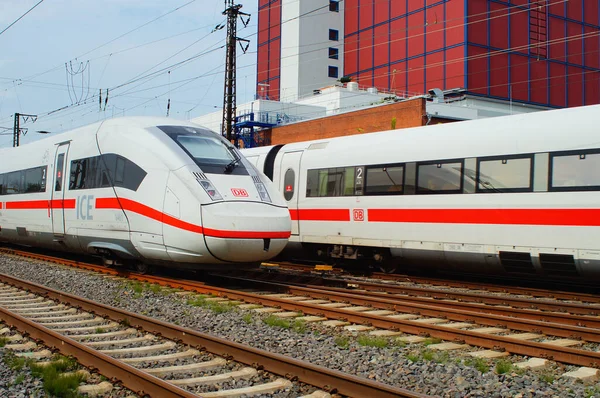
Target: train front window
(212, 153)
(205, 149)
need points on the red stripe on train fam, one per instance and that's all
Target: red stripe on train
(41, 204)
(563, 217)
(557, 217)
(135, 207)
(320, 214)
(215, 233)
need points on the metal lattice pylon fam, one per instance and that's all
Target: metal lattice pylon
(229, 102)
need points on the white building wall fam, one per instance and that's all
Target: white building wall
(305, 46)
(339, 99)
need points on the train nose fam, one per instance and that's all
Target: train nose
(245, 231)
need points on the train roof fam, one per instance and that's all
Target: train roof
(141, 122)
(544, 130)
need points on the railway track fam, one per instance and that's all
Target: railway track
(553, 335)
(437, 284)
(470, 328)
(21, 351)
(110, 340)
(584, 311)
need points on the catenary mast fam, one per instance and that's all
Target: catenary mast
(229, 106)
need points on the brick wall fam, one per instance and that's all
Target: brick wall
(408, 114)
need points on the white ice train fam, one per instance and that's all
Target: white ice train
(516, 194)
(145, 190)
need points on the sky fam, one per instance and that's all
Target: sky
(56, 59)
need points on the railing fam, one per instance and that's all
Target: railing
(273, 118)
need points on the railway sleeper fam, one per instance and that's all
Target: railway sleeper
(37, 304)
(122, 342)
(193, 367)
(85, 322)
(57, 310)
(244, 374)
(72, 316)
(84, 329)
(118, 333)
(260, 389)
(151, 349)
(162, 358)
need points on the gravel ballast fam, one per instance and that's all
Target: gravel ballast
(18, 383)
(406, 366)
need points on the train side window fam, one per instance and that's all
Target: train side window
(575, 171)
(33, 180)
(13, 183)
(504, 174)
(97, 172)
(133, 177)
(349, 181)
(323, 178)
(289, 184)
(120, 170)
(384, 180)
(335, 182)
(24, 181)
(339, 181)
(439, 177)
(107, 170)
(312, 183)
(83, 173)
(77, 174)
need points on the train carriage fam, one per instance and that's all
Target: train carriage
(146, 190)
(515, 194)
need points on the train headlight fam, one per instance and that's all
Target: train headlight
(210, 190)
(262, 191)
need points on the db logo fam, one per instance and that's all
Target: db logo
(358, 214)
(239, 192)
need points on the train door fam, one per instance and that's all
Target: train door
(288, 181)
(58, 190)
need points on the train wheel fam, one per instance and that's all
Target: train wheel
(387, 267)
(141, 267)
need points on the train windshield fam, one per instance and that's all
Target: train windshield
(212, 153)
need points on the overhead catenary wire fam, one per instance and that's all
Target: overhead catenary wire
(21, 17)
(149, 76)
(115, 39)
(319, 8)
(157, 72)
(472, 57)
(462, 59)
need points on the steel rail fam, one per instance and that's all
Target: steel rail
(528, 348)
(515, 346)
(132, 378)
(577, 317)
(548, 316)
(319, 376)
(444, 310)
(536, 292)
(588, 309)
(419, 292)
